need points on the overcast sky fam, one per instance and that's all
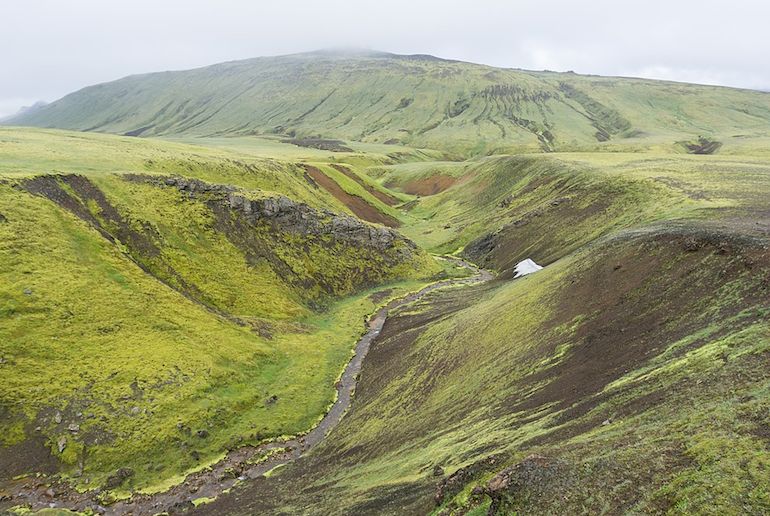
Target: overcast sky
(51, 47)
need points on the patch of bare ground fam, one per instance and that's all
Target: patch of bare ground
(382, 196)
(429, 185)
(357, 205)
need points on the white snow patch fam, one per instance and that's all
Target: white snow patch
(526, 267)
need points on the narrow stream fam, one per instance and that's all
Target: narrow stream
(248, 462)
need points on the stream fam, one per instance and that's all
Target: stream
(248, 462)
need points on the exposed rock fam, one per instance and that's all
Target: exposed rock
(74, 428)
(118, 478)
(61, 444)
(506, 201)
(57, 418)
(533, 477)
(271, 400)
(456, 482)
(438, 471)
(283, 213)
(202, 433)
(27, 291)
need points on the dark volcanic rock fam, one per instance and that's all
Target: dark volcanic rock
(117, 479)
(283, 213)
(456, 482)
(531, 478)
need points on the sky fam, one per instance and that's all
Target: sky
(49, 48)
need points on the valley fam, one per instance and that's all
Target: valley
(261, 288)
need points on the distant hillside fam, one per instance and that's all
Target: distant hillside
(25, 110)
(417, 100)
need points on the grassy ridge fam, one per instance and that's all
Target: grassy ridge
(422, 102)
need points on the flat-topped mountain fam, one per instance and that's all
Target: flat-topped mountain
(416, 100)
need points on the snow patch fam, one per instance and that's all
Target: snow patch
(526, 267)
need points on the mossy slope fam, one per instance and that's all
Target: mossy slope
(148, 319)
(649, 396)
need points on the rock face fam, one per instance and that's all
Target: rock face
(284, 214)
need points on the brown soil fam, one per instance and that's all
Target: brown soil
(29, 456)
(524, 237)
(429, 185)
(641, 306)
(382, 196)
(357, 205)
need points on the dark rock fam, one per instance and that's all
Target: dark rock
(181, 507)
(507, 200)
(118, 478)
(456, 482)
(271, 400)
(283, 213)
(534, 477)
(3, 219)
(202, 433)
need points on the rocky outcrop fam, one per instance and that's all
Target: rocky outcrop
(450, 486)
(320, 254)
(283, 213)
(533, 477)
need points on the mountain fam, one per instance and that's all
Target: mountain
(25, 110)
(418, 100)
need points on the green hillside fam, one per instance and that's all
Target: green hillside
(137, 296)
(420, 101)
(629, 376)
(178, 293)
